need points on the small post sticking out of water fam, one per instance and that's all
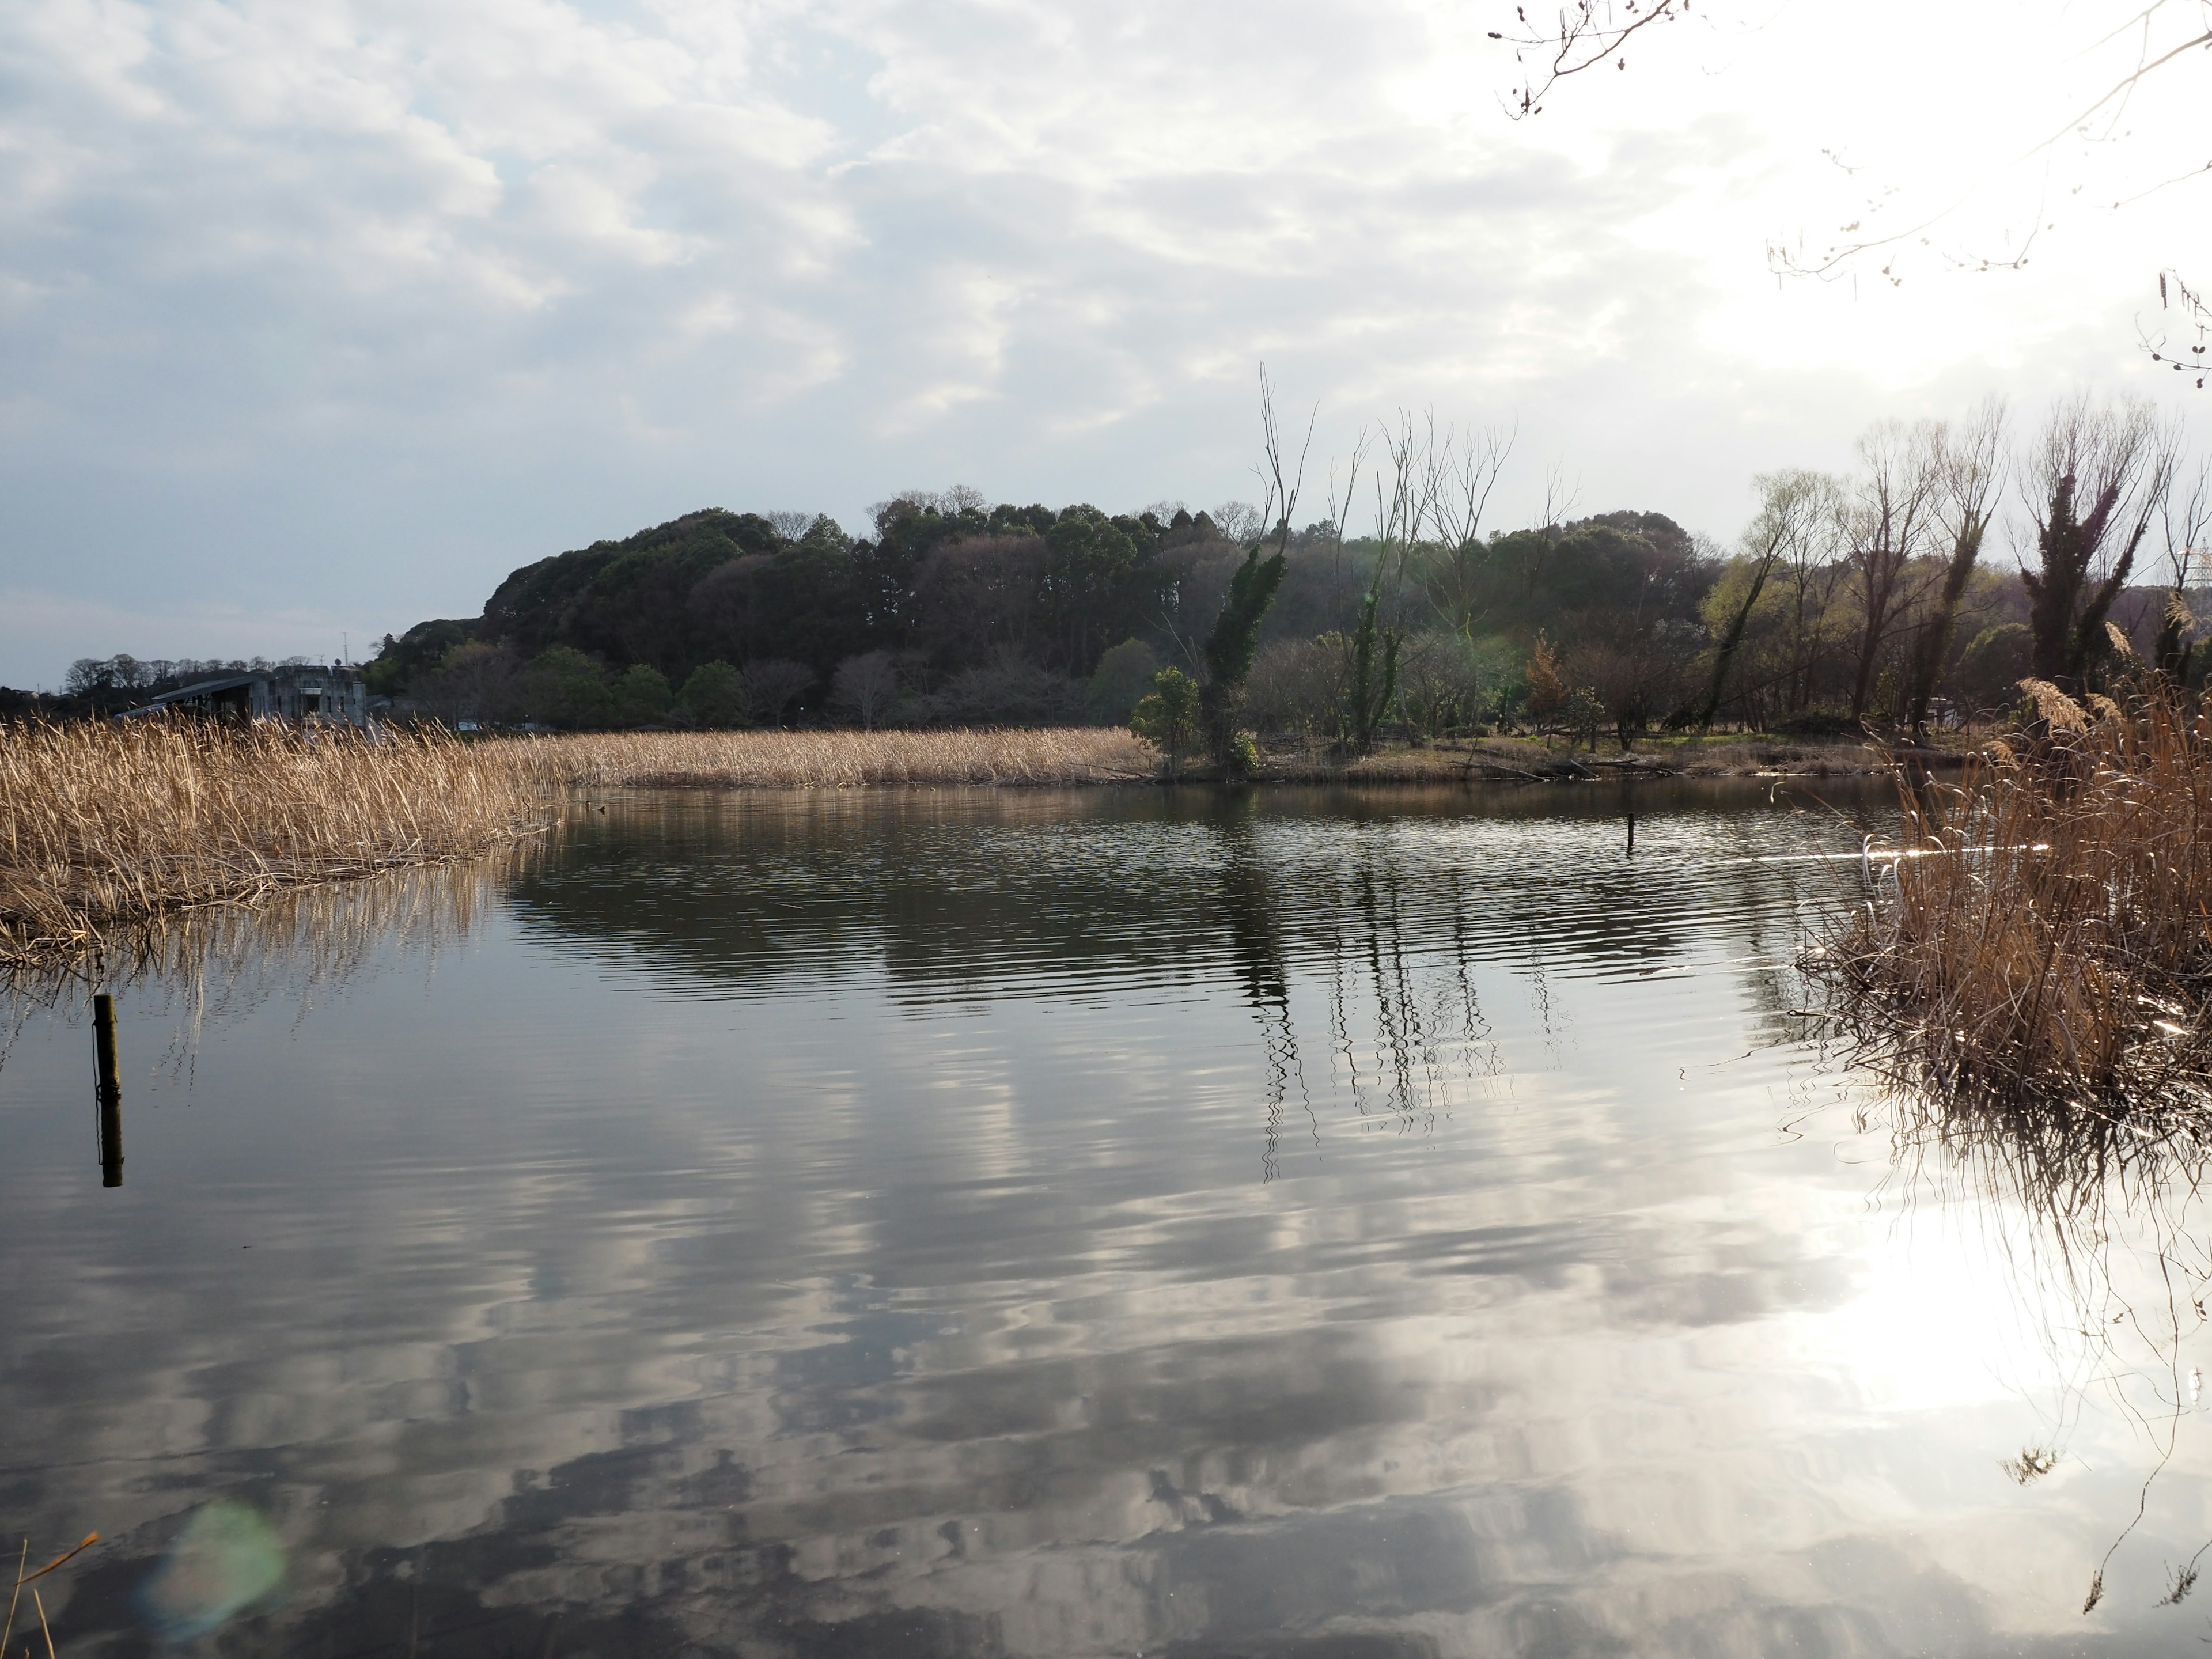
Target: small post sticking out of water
(1631, 834)
(110, 1090)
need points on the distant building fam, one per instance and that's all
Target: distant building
(303, 693)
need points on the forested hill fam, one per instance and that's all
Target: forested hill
(968, 611)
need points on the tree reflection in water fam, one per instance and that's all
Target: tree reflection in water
(832, 1227)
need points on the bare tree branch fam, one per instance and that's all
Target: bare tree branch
(1590, 33)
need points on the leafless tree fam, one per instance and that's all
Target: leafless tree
(1340, 507)
(2186, 516)
(865, 687)
(1278, 489)
(1795, 510)
(1240, 522)
(1812, 569)
(771, 683)
(1972, 470)
(1891, 515)
(1462, 479)
(1405, 494)
(1560, 496)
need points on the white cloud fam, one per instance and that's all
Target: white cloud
(348, 308)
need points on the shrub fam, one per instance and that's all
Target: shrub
(1167, 716)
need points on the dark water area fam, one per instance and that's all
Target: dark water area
(1163, 1221)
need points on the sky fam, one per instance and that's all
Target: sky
(318, 317)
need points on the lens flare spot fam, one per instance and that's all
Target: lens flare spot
(226, 1559)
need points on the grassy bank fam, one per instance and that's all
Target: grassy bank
(2042, 933)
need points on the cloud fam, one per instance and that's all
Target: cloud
(349, 308)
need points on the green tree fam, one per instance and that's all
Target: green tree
(563, 687)
(1228, 649)
(1167, 716)
(1370, 687)
(641, 696)
(715, 694)
(1123, 674)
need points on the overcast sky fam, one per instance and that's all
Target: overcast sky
(320, 316)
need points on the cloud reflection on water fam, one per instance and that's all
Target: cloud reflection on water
(1004, 1223)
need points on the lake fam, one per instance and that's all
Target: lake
(1290, 1223)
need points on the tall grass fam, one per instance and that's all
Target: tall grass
(104, 823)
(2042, 932)
(831, 760)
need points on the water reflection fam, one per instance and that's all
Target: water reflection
(1007, 1222)
(2101, 1224)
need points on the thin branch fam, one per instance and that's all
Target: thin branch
(1588, 36)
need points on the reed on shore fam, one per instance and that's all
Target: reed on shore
(2041, 934)
(845, 759)
(105, 824)
(108, 824)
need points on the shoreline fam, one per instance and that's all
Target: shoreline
(117, 828)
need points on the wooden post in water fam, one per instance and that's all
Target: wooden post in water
(1631, 834)
(110, 1090)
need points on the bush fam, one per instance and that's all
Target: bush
(1167, 716)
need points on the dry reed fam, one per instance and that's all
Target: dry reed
(834, 760)
(107, 823)
(2042, 934)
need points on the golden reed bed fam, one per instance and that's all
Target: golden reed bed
(104, 823)
(107, 824)
(834, 760)
(2041, 936)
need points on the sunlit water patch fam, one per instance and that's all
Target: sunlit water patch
(949, 1223)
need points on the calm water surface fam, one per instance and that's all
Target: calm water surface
(1145, 1221)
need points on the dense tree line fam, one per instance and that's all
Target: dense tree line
(954, 611)
(1850, 600)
